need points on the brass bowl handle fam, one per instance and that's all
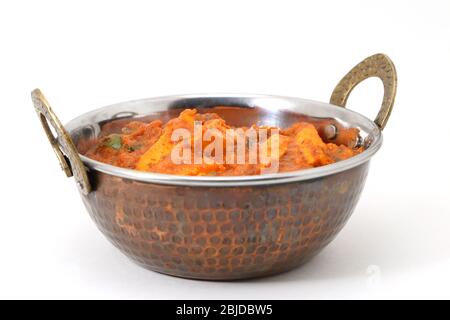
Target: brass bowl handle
(62, 145)
(378, 65)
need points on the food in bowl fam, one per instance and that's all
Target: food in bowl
(222, 149)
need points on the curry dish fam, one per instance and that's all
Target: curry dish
(150, 146)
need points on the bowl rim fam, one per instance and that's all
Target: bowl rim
(231, 181)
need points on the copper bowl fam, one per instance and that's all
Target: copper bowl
(224, 228)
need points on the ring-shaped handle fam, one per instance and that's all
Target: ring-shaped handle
(62, 145)
(378, 65)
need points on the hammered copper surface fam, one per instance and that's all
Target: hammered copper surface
(223, 233)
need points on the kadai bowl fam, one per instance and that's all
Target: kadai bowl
(222, 224)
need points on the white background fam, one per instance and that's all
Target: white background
(86, 54)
